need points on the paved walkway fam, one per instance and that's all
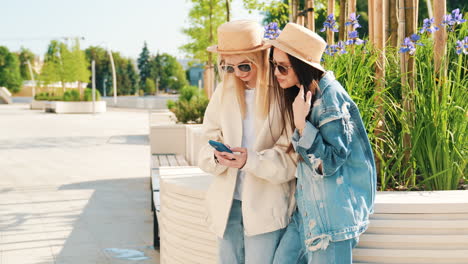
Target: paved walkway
(74, 188)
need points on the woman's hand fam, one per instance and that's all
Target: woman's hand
(232, 160)
(301, 108)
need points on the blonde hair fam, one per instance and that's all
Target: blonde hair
(262, 98)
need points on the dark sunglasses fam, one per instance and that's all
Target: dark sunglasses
(243, 67)
(281, 68)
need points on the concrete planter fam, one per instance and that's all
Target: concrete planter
(38, 105)
(61, 107)
(168, 138)
(194, 143)
(181, 139)
(416, 227)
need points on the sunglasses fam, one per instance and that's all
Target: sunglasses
(243, 67)
(281, 68)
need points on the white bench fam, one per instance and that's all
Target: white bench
(158, 161)
(185, 238)
(407, 227)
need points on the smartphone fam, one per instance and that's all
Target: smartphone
(219, 146)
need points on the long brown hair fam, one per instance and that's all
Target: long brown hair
(308, 77)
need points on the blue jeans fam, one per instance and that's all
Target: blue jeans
(237, 248)
(291, 249)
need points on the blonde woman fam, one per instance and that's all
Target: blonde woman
(251, 198)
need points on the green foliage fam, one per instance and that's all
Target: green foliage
(10, 76)
(440, 132)
(64, 65)
(127, 78)
(48, 97)
(204, 19)
(103, 69)
(71, 96)
(438, 126)
(191, 106)
(24, 56)
(168, 71)
(88, 95)
(150, 86)
(144, 65)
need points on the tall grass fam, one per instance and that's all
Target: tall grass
(438, 127)
(440, 137)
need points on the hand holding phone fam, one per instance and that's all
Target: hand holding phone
(219, 146)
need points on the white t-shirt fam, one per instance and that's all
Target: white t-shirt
(248, 136)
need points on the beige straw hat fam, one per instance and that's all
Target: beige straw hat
(239, 36)
(301, 43)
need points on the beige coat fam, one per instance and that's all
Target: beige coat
(269, 183)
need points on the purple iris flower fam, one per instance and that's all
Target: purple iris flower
(341, 47)
(451, 20)
(415, 39)
(353, 21)
(462, 46)
(428, 26)
(408, 46)
(272, 31)
(330, 24)
(353, 38)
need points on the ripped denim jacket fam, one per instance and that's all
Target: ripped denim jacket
(335, 201)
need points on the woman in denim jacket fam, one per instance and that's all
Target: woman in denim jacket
(336, 179)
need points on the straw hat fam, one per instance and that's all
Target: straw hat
(240, 36)
(301, 43)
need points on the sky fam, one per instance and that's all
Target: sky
(121, 25)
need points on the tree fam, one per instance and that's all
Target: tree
(204, 18)
(169, 72)
(52, 68)
(132, 76)
(144, 65)
(150, 86)
(24, 56)
(10, 76)
(81, 64)
(64, 65)
(102, 67)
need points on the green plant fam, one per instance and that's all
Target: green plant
(47, 97)
(440, 133)
(88, 95)
(71, 96)
(191, 105)
(439, 124)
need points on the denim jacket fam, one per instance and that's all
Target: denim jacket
(336, 201)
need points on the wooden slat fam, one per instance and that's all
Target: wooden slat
(154, 161)
(172, 160)
(163, 160)
(181, 160)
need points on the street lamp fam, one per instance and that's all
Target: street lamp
(32, 78)
(114, 76)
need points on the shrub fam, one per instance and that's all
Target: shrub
(47, 97)
(71, 96)
(88, 95)
(191, 106)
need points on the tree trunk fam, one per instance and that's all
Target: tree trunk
(228, 9)
(331, 34)
(440, 36)
(392, 23)
(370, 4)
(208, 74)
(343, 16)
(407, 27)
(310, 15)
(378, 22)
